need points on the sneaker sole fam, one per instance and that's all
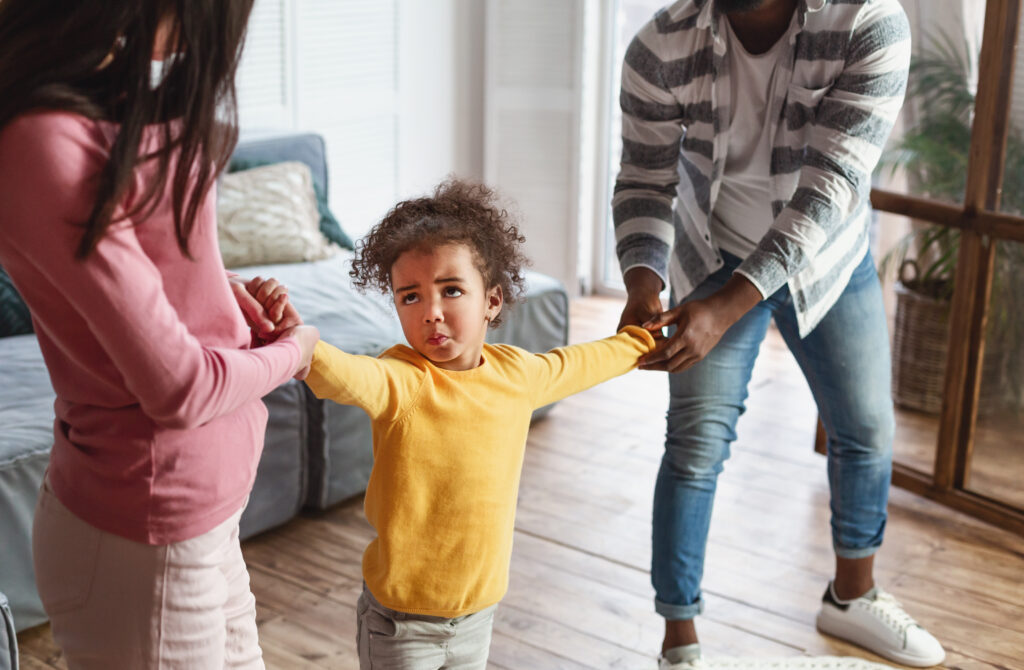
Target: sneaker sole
(892, 655)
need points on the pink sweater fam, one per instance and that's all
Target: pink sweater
(159, 423)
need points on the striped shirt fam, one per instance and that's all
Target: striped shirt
(839, 89)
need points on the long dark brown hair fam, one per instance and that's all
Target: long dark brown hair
(94, 58)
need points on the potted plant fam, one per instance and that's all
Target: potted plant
(934, 154)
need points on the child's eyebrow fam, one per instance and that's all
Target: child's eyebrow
(441, 280)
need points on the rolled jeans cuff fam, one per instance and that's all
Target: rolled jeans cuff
(679, 612)
(851, 553)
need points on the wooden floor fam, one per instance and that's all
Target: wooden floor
(997, 461)
(580, 595)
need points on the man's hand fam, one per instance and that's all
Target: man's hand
(700, 325)
(642, 302)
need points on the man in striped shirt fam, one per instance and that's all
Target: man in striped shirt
(750, 131)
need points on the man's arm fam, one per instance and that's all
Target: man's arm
(652, 126)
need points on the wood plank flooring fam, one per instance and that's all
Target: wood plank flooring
(580, 595)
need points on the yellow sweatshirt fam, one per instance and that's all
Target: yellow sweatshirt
(448, 450)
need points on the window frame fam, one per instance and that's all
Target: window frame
(982, 226)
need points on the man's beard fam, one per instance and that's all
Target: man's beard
(729, 6)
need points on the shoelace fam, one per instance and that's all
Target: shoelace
(891, 612)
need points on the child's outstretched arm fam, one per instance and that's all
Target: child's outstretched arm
(567, 370)
(382, 387)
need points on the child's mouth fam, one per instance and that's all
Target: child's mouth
(437, 339)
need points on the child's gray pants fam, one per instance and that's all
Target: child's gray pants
(392, 640)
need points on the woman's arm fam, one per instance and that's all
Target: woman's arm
(47, 168)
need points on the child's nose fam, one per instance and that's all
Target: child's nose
(434, 313)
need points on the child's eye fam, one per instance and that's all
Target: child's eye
(409, 298)
(452, 291)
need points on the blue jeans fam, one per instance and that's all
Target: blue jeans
(845, 359)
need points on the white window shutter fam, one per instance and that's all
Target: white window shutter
(533, 80)
(263, 80)
(347, 91)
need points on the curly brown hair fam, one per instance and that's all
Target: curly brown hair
(459, 211)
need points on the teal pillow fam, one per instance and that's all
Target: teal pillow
(329, 225)
(14, 315)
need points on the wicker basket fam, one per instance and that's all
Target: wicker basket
(920, 347)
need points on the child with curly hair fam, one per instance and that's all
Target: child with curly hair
(450, 416)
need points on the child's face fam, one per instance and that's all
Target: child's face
(443, 304)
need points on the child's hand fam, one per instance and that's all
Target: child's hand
(255, 316)
(271, 294)
(272, 297)
(307, 337)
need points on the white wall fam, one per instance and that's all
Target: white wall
(532, 118)
(394, 86)
(469, 88)
(440, 78)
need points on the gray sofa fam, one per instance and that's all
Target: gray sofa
(316, 453)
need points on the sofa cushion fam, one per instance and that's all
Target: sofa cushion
(308, 148)
(329, 224)
(279, 491)
(269, 215)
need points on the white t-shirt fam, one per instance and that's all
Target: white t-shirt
(743, 212)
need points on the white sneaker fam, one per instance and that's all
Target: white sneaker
(681, 658)
(877, 622)
(789, 663)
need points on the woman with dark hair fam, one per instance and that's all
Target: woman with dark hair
(107, 228)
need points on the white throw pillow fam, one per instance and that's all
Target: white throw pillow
(269, 215)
